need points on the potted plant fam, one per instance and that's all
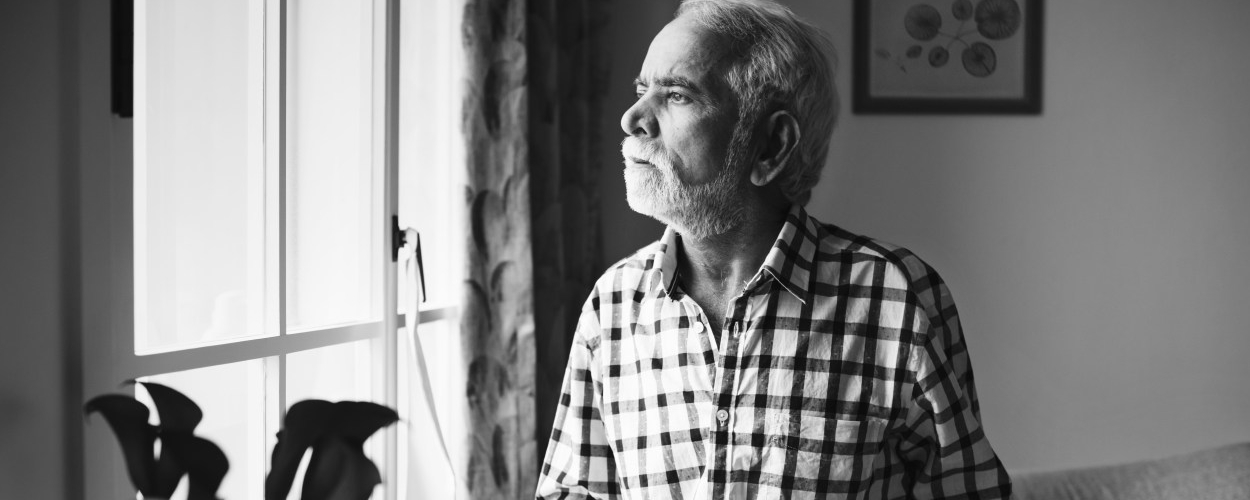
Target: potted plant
(182, 452)
(337, 470)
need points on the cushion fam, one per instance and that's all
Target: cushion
(1212, 474)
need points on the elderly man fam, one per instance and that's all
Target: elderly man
(753, 351)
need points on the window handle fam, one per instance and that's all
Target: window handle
(122, 58)
(401, 237)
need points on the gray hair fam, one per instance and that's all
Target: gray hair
(782, 63)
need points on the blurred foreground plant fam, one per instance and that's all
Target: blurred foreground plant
(336, 432)
(182, 452)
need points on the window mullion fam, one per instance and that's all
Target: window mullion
(244, 350)
(389, 45)
(281, 172)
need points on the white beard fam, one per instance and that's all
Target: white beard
(696, 211)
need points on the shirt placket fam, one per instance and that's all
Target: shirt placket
(728, 376)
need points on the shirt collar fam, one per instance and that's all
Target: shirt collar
(789, 261)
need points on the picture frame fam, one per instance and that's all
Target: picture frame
(947, 56)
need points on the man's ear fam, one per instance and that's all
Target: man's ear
(781, 137)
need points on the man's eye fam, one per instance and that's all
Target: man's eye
(677, 98)
(639, 92)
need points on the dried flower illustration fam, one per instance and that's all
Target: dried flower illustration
(962, 10)
(979, 59)
(939, 56)
(994, 20)
(922, 22)
(997, 19)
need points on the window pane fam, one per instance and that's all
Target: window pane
(333, 214)
(341, 372)
(199, 173)
(427, 469)
(432, 187)
(232, 398)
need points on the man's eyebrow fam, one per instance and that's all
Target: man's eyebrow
(668, 81)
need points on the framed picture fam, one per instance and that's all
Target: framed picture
(947, 56)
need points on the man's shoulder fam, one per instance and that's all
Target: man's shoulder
(630, 273)
(642, 259)
(834, 239)
(904, 270)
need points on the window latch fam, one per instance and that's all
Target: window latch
(399, 238)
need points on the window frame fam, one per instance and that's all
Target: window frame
(106, 159)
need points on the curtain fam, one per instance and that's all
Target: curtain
(497, 319)
(568, 80)
(535, 80)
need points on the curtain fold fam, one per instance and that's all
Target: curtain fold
(568, 74)
(535, 78)
(497, 322)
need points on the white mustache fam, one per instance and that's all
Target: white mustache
(651, 152)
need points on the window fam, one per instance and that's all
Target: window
(243, 229)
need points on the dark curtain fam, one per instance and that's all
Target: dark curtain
(535, 80)
(568, 74)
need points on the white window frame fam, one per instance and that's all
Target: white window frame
(105, 156)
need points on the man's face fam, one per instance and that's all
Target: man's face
(679, 135)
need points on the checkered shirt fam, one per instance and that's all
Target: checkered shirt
(842, 373)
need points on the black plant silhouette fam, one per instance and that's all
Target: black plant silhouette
(336, 432)
(182, 452)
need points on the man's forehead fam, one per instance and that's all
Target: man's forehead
(685, 54)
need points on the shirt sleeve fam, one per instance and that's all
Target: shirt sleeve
(579, 463)
(945, 444)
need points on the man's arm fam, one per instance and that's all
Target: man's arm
(579, 462)
(945, 443)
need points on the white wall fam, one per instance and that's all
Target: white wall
(1095, 250)
(34, 299)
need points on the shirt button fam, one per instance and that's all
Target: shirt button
(698, 327)
(722, 416)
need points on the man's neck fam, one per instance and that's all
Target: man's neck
(722, 264)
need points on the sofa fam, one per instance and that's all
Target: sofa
(1221, 473)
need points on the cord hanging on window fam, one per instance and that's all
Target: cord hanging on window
(420, 264)
(400, 237)
(414, 270)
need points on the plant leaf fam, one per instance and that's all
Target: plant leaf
(339, 470)
(178, 413)
(205, 463)
(305, 423)
(324, 470)
(168, 472)
(129, 420)
(355, 421)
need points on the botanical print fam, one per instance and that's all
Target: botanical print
(958, 48)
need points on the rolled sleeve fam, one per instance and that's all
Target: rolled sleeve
(579, 463)
(946, 444)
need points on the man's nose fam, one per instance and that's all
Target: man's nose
(639, 120)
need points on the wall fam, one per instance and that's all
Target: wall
(36, 256)
(1093, 250)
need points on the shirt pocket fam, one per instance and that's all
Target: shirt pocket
(839, 453)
